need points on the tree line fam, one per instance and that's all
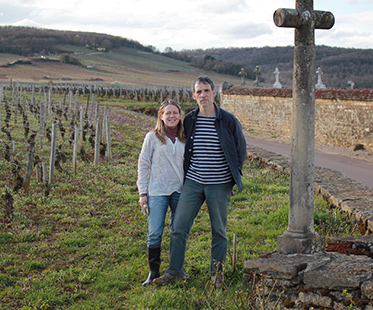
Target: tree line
(339, 65)
(28, 41)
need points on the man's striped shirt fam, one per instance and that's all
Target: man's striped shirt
(208, 164)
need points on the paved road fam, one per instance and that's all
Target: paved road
(359, 170)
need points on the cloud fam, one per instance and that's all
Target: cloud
(190, 24)
(360, 1)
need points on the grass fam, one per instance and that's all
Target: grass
(84, 245)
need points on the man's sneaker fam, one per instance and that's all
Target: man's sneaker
(218, 281)
(167, 278)
(186, 278)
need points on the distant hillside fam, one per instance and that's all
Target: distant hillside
(75, 61)
(339, 65)
(28, 41)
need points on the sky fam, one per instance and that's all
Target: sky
(192, 24)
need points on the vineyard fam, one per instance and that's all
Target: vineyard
(57, 207)
(72, 235)
(63, 130)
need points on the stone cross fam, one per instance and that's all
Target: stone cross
(277, 83)
(352, 84)
(319, 84)
(257, 77)
(300, 236)
(242, 74)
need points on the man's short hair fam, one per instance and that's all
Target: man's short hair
(204, 80)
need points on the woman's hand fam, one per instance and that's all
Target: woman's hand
(143, 201)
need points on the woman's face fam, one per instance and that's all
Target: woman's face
(171, 116)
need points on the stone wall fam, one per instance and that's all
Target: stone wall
(342, 117)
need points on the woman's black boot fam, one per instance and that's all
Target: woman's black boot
(154, 259)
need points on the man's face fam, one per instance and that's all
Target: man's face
(204, 95)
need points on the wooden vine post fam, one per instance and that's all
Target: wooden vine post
(76, 146)
(41, 122)
(234, 254)
(33, 95)
(98, 140)
(30, 162)
(107, 133)
(50, 101)
(52, 155)
(81, 127)
(76, 102)
(92, 108)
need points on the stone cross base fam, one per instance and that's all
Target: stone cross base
(287, 244)
(297, 280)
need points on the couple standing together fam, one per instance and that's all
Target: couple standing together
(181, 166)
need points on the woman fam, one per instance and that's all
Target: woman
(160, 177)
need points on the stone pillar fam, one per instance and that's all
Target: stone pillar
(300, 236)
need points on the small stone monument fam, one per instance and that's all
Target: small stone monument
(257, 77)
(277, 83)
(352, 84)
(242, 74)
(319, 84)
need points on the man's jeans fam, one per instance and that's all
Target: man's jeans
(192, 196)
(158, 206)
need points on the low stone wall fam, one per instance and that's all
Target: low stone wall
(339, 278)
(342, 117)
(327, 280)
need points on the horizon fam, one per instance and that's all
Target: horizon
(230, 47)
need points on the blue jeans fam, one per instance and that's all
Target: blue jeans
(192, 197)
(158, 206)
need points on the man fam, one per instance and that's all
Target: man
(215, 151)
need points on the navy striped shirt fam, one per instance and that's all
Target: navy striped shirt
(208, 164)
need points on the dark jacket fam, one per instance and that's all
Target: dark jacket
(231, 138)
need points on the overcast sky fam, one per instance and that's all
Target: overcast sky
(192, 24)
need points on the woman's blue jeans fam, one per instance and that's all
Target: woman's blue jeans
(158, 206)
(192, 197)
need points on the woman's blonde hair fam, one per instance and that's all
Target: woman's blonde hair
(159, 127)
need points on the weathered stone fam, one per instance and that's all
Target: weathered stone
(276, 268)
(286, 266)
(289, 245)
(329, 271)
(361, 240)
(341, 272)
(367, 289)
(315, 299)
(318, 279)
(339, 306)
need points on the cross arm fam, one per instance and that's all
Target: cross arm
(293, 18)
